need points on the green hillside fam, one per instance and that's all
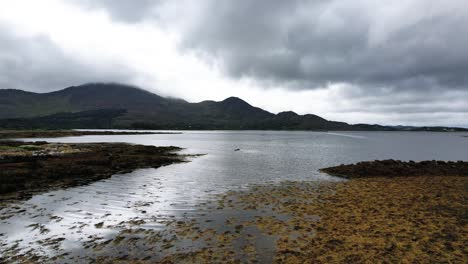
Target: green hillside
(107, 105)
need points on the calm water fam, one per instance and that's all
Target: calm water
(172, 191)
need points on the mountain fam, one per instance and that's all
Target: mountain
(102, 118)
(142, 108)
(107, 105)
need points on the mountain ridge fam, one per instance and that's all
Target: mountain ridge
(113, 105)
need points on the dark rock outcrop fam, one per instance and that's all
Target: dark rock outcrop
(394, 168)
(23, 174)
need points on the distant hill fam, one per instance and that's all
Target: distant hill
(105, 105)
(103, 118)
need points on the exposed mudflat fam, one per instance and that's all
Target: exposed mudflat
(31, 167)
(399, 219)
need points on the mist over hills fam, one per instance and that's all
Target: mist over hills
(107, 105)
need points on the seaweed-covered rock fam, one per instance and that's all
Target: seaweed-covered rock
(42, 166)
(393, 168)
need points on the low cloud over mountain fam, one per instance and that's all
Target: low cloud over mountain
(400, 62)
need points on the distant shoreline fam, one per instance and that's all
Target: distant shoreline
(12, 134)
(17, 133)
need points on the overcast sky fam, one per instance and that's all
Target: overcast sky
(388, 62)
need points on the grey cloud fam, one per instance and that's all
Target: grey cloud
(37, 64)
(407, 104)
(409, 119)
(312, 43)
(124, 10)
(307, 44)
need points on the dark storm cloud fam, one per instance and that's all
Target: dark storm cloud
(313, 43)
(37, 64)
(308, 44)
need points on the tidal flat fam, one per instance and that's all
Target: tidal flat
(32, 167)
(193, 212)
(409, 219)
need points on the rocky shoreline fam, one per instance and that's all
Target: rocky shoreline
(391, 218)
(390, 210)
(398, 168)
(417, 219)
(30, 167)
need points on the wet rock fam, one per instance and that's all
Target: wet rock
(394, 168)
(78, 164)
